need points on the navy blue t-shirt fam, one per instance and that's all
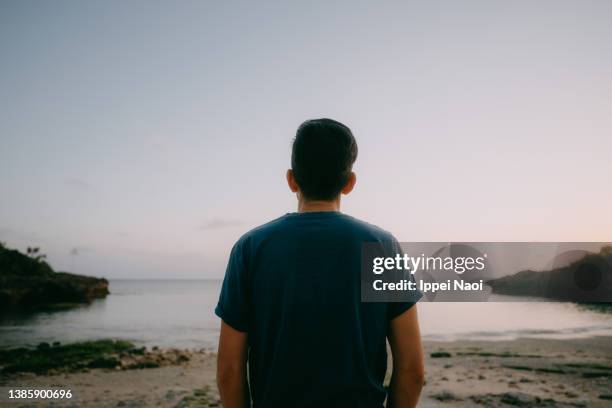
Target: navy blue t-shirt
(294, 285)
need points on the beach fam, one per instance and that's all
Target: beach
(526, 372)
(509, 353)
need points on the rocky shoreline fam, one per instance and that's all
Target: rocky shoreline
(586, 280)
(28, 283)
(51, 359)
(520, 373)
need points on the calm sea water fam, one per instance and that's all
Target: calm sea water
(180, 314)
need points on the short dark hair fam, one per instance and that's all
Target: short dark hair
(322, 158)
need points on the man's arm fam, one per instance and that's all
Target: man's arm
(408, 370)
(232, 368)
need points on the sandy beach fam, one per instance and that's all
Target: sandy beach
(524, 372)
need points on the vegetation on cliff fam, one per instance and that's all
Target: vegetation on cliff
(586, 280)
(27, 282)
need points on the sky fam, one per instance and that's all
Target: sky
(141, 139)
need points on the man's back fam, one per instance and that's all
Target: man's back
(294, 286)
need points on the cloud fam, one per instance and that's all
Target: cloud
(78, 184)
(79, 250)
(219, 223)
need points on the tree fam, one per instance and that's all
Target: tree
(34, 253)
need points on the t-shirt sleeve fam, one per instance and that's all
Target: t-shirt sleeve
(233, 303)
(394, 309)
(409, 299)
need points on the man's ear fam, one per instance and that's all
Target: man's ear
(350, 184)
(293, 185)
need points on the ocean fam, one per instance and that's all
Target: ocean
(180, 313)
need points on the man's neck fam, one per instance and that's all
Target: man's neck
(318, 205)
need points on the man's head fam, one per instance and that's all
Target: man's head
(322, 158)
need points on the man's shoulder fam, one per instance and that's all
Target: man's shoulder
(260, 231)
(371, 229)
(358, 228)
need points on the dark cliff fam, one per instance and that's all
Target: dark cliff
(588, 279)
(28, 283)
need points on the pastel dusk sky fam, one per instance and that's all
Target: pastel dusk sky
(140, 139)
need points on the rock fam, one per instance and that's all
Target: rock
(29, 283)
(445, 396)
(200, 397)
(140, 351)
(441, 354)
(588, 279)
(519, 399)
(105, 362)
(571, 394)
(596, 374)
(145, 364)
(170, 395)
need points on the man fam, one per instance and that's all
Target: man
(290, 303)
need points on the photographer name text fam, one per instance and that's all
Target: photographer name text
(425, 287)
